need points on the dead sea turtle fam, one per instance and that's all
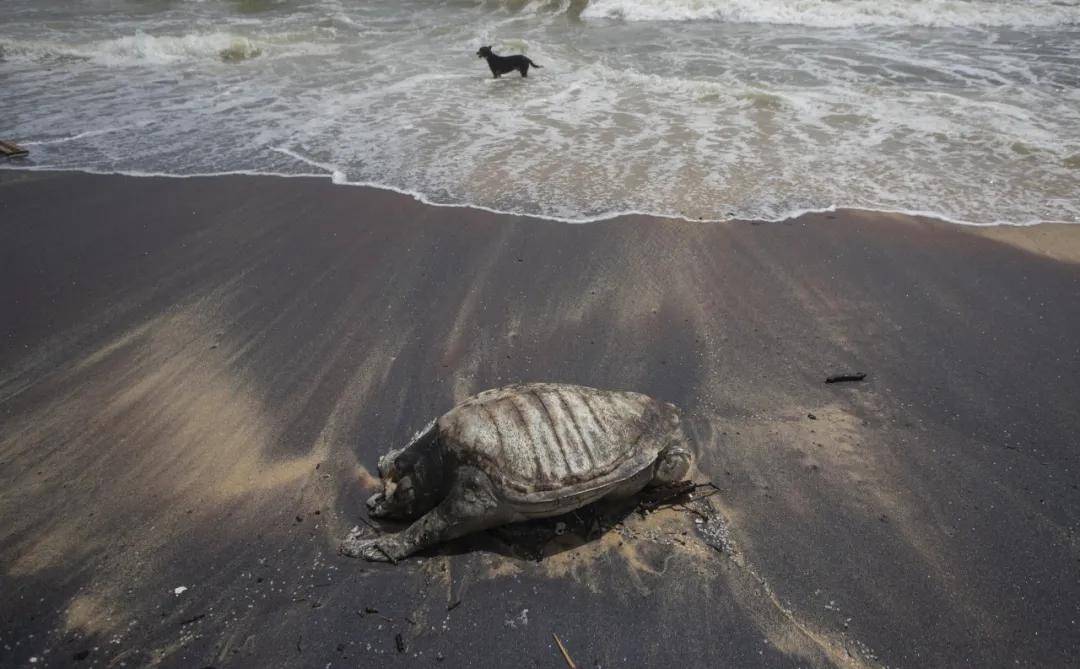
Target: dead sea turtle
(520, 452)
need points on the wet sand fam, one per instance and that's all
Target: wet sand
(198, 375)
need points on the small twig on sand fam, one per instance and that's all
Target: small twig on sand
(653, 498)
(371, 610)
(565, 655)
(840, 378)
(693, 511)
(674, 494)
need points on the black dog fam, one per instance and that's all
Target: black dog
(500, 65)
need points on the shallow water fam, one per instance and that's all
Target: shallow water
(713, 109)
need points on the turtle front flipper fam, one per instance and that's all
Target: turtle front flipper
(470, 506)
(382, 549)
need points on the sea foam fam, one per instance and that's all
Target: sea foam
(843, 13)
(702, 119)
(142, 48)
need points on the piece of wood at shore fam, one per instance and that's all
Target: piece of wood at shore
(841, 378)
(566, 656)
(11, 149)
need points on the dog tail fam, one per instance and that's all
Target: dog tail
(532, 63)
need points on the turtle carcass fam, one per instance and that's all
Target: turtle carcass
(521, 452)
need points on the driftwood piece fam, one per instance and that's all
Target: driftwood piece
(11, 149)
(565, 654)
(841, 378)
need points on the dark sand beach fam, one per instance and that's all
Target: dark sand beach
(198, 375)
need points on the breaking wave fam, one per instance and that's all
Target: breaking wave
(146, 49)
(843, 13)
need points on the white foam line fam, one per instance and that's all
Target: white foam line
(420, 197)
(71, 138)
(159, 175)
(606, 216)
(336, 175)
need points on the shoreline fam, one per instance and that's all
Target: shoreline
(334, 178)
(198, 375)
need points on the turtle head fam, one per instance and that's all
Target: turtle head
(674, 460)
(408, 476)
(672, 465)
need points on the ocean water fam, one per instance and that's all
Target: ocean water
(713, 109)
